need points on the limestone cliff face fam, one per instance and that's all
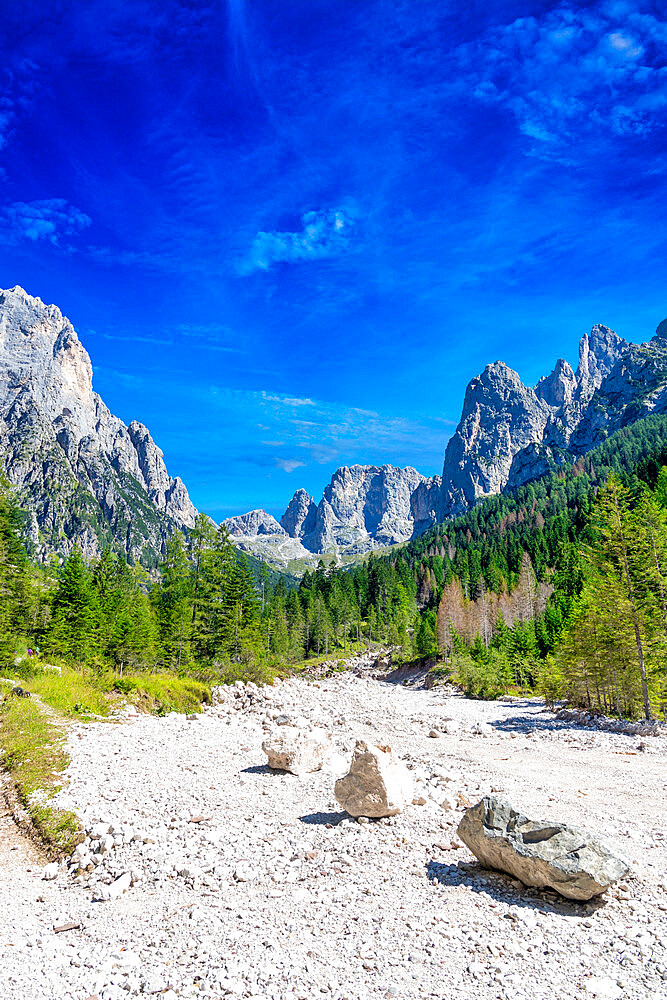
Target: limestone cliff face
(83, 476)
(255, 522)
(364, 506)
(510, 433)
(299, 518)
(501, 416)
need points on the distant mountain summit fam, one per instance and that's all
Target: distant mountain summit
(363, 507)
(83, 476)
(509, 433)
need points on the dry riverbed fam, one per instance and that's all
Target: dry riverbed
(248, 883)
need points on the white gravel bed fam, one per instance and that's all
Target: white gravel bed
(248, 883)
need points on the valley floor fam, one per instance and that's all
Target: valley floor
(273, 893)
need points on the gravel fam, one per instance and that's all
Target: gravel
(205, 874)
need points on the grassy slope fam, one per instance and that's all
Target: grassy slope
(33, 751)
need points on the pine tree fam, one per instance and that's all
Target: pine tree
(76, 618)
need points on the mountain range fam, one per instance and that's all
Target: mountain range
(84, 477)
(509, 433)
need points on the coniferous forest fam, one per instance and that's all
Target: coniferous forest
(558, 587)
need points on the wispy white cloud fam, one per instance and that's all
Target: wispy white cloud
(289, 464)
(572, 72)
(286, 400)
(324, 234)
(52, 219)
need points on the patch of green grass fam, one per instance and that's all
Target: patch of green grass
(77, 693)
(33, 751)
(163, 693)
(84, 693)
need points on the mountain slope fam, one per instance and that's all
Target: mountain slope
(363, 507)
(82, 475)
(509, 434)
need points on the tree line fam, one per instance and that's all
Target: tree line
(502, 596)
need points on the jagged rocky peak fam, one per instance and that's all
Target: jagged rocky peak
(40, 353)
(510, 434)
(661, 331)
(299, 518)
(67, 453)
(559, 387)
(363, 507)
(255, 522)
(598, 353)
(501, 416)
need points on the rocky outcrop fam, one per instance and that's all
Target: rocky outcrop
(501, 416)
(426, 504)
(546, 855)
(363, 507)
(259, 534)
(82, 476)
(299, 518)
(510, 433)
(377, 784)
(255, 522)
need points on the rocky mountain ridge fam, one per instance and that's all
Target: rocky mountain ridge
(363, 507)
(83, 476)
(509, 433)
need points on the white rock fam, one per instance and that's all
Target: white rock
(120, 885)
(299, 751)
(377, 783)
(451, 727)
(603, 986)
(245, 871)
(482, 729)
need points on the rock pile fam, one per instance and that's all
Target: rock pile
(593, 720)
(247, 882)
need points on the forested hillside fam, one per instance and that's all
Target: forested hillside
(561, 585)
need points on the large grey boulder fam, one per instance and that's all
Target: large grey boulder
(298, 751)
(377, 784)
(538, 853)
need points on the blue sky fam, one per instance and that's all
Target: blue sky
(290, 232)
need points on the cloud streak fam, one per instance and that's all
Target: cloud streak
(324, 234)
(50, 220)
(572, 72)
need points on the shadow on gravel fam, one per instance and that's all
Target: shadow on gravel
(324, 819)
(538, 722)
(500, 887)
(260, 769)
